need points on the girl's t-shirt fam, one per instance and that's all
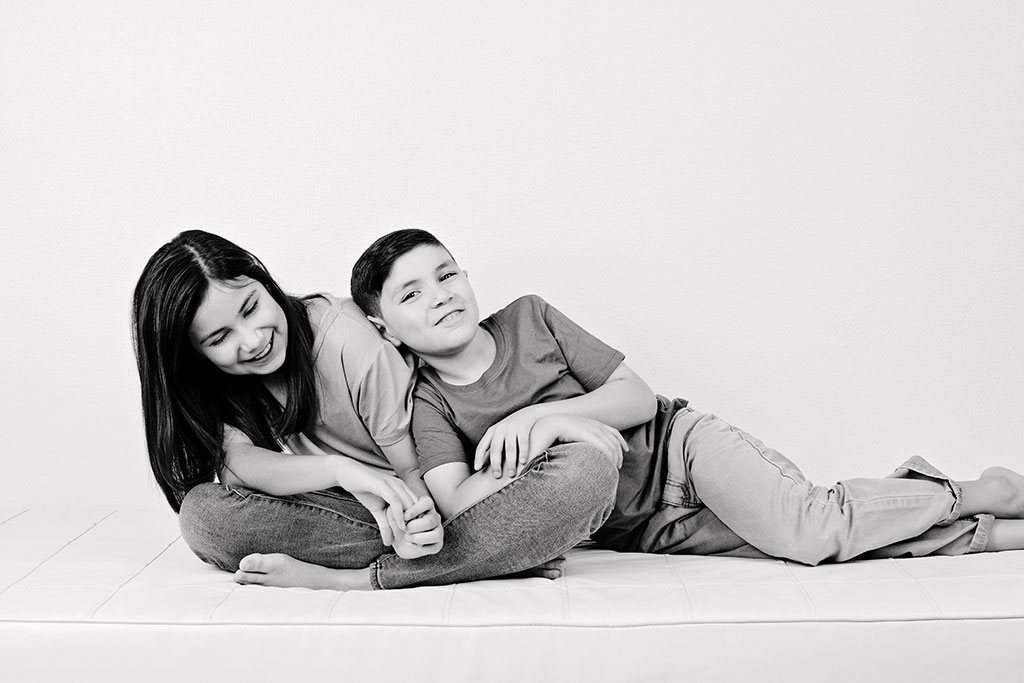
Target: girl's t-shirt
(364, 386)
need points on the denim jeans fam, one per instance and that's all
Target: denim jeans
(727, 493)
(562, 497)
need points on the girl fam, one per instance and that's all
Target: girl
(300, 411)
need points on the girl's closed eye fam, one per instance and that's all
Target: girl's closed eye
(252, 309)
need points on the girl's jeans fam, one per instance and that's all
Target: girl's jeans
(727, 493)
(564, 495)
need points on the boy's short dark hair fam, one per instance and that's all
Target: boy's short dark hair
(374, 266)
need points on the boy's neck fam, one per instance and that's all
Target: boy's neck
(468, 364)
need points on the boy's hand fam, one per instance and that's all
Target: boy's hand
(385, 496)
(507, 443)
(423, 533)
(552, 429)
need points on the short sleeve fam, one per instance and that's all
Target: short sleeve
(438, 440)
(590, 360)
(383, 392)
(233, 436)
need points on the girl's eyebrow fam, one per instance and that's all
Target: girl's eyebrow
(245, 305)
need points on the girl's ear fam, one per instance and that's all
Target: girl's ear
(383, 329)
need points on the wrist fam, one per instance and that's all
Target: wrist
(537, 412)
(342, 468)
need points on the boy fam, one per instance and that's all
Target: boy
(497, 393)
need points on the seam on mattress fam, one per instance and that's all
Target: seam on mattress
(209, 616)
(130, 578)
(936, 608)
(1016, 566)
(803, 589)
(56, 552)
(17, 514)
(687, 602)
(566, 601)
(446, 611)
(518, 625)
(334, 604)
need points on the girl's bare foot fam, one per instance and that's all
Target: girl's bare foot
(284, 571)
(552, 569)
(998, 491)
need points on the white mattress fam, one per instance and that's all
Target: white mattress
(116, 595)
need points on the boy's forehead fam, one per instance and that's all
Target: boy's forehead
(417, 263)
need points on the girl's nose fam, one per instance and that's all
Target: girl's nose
(251, 340)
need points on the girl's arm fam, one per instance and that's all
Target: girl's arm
(279, 474)
(623, 401)
(386, 497)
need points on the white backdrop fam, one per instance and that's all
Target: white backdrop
(807, 219)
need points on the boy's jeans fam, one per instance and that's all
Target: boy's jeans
(727, 493)
(563, 497)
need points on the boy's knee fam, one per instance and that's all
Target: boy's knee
(591, 478)
(586, 464)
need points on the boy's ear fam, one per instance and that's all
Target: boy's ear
(383, 329)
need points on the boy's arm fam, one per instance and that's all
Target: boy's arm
(455, 488)
(402, 457)
(623, 401)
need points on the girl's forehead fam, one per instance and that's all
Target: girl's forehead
(222, 303)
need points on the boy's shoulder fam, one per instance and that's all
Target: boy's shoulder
(528, 303)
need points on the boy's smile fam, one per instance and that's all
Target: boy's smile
(428, 304)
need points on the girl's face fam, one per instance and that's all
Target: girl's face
(240, 328)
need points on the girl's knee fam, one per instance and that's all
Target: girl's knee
(201, 520)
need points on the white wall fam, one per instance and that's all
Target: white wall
(805, 217)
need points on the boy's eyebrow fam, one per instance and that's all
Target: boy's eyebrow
(444, 264)
(245, 305)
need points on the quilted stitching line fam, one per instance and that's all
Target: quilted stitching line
(117, 590)
(14, 516)
(55, 553)
(936, 609)
(687, 602)
(803, 589)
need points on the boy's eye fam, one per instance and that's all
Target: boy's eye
(448, 275)
(407, 296)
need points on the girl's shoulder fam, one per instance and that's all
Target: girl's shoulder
(339, 322)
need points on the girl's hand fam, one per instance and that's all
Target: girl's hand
(423, 534)
(552, 429)
(385, 496)
(507, 444)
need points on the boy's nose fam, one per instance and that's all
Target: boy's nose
(441, 296)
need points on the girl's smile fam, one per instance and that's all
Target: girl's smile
(240, 328)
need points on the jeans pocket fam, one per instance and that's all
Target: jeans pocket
(679, 494)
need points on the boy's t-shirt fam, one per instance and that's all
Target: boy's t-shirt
(364, 386)
(541, 356)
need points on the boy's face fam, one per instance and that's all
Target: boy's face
(428, 304)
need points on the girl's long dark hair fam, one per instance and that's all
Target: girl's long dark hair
(186, 401)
